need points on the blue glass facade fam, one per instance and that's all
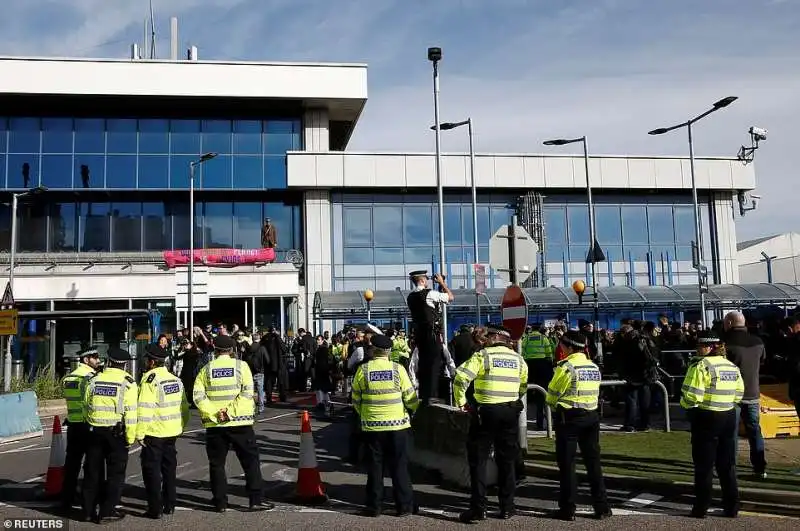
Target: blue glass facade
(144, 154)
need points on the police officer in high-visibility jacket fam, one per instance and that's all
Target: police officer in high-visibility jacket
(711, 389)
(401, 353)
(74, 385)
(111, 398)
(163, 413)
(382, 396)
(223, 393)
(573, 395)
(501, 378)
(537, 350)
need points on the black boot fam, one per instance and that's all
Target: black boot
(472, 515)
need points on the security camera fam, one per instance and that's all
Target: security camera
(434, 54)
(758, 133)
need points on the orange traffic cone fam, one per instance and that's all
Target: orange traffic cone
(58, 455)
(309, 484)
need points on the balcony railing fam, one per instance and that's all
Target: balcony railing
(290, 256)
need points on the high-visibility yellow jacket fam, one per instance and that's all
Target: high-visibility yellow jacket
(499, 373)
(163, 410)
(111, 397)
(535, 346)
(712, 383)
(74, 387)
(382, 395)
(225, 383)
(400, 349)
(575, 384)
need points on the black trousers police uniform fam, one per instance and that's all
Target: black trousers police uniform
(540, 372)
(159, 462)
(713, 446)
(243, 441)
(389, 449)
(107, 447)
(429, 366)
(579, 428)
(498, 425)
(77, 443)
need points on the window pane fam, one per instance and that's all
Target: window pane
(247, 226)
(90, 135)
(684, 225)
(483, 225)
(180, 225)
(418, 255)
(247, 137)
(280, 136)
(216, 136)
(126, 226)
(185, 137)
(63, 225)
(613, 253)
(121, 136)
(417, 224)
(121, 171)
(154, 171)
(555, 224)
(3, 134)
(89, 171)
(639, 252)
(218, 225)
(358, 256)
(155, 225)
(608, 223)
(216, 173)
(452, 225)
(577, 253)
(634, 225)
(453, 255)
(386, 256)
(683, 254)
(95, 229)
(57, 171)
(23, 135)
(357, 226)
(286, 226)
(500, 217)
(247, 172)
(660, 222)
(387, 220)
(32, 219)
(179, 172)
(578, 219)
(3, 183)
(467, 227)
(23, 171)
(275, 172)
(153, 136)
(57, 135)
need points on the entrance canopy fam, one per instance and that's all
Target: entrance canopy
(392, 304)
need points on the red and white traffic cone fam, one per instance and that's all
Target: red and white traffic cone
(310, 490)
(58, 455)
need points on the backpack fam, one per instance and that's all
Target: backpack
(648, 349)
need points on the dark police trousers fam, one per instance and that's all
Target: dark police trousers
(106, 447)
(540, 372)
(579, 428)
(159, 461)
(243, 441)
(713, 446)
(389, 448)
(77, 442)
(273, 380)
(429, 366)
(493, 425)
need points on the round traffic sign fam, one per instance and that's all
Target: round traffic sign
(515, 311)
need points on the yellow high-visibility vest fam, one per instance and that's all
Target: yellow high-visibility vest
(499, 373)
(225, 383)
(163, 410)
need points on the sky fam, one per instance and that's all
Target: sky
(523, 70)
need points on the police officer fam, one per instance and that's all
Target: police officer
(382, 394)
(163, 413)
(501, 378)
(573, 394)
(537, 350)
(712, 388)
(111, 399)
(401, 353)
(223, 393)
(74, 385)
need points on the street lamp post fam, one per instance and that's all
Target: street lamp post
(447, 126)
(368, 296)
(700, 266)
(190, 280)
(434, 56)
(12, 259)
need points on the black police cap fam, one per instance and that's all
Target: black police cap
(224, 343)
(382, 342)
(155, 352)
(574, 339)
(497, 329)
(418, 273)
(119, 355)
(708, 337)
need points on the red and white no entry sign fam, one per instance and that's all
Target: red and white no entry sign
(515, 311)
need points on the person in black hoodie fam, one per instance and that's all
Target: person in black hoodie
(638, 367)
(275, 371)
(322, 374)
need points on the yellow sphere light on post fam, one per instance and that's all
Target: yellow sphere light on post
(368, 296)
(579, 287)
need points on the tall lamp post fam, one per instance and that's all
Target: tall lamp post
(190, 298)
(368, 296)
(595, 252)
(12, 259)
(434, 56)
(447, 126)
(702, 277)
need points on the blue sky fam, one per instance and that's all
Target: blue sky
(524, 70)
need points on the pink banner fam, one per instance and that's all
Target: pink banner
(220, 257)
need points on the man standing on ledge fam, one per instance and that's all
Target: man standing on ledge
(425, 307)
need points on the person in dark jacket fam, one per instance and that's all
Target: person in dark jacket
(747, 352)
(256, 357)
(637, 359)
(191, 363)
(322, 374)
(275, 371)
(462, 347)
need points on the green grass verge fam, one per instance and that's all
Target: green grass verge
(665, 457)
(44, 384)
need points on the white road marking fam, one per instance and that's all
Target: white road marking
(644, 499)
(34, 479)
(258, 421)
(21, 449)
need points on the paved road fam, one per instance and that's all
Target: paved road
(22, 465)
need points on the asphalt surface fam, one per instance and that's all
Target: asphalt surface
(23, 464)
